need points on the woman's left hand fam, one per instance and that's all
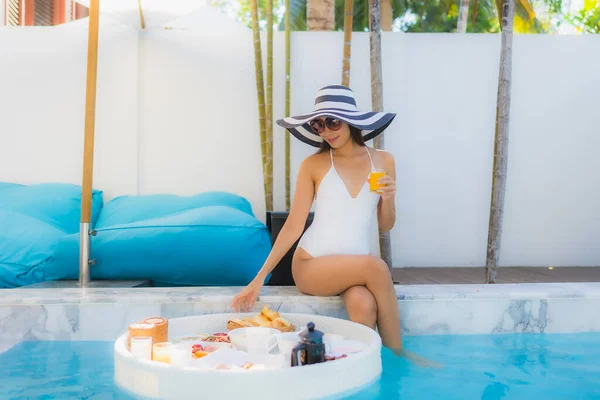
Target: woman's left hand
(389, 190)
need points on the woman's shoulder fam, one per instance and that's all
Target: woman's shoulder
(315, 162)
(383, 155)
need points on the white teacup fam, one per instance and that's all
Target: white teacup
(287, 342)
(255, 340)
(181, 355)
(331, 340)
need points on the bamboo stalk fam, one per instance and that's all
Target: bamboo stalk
(377, 101)
(90, 112)
(269, 106)
(348, 16)
(287, 103)
(260, 91)
(500, 142)
(142, 22)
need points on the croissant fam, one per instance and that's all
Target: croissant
(271, 315)
(249, 322)
(276, 324)
(261, 320)
(238, 323)
(281, 323)
(266, 319)
(233, 324)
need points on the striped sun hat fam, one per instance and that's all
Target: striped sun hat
(337, 101)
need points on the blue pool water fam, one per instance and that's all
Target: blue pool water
(525, 366)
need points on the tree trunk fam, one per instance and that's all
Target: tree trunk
(269, 107)
(501, 141)
(348, 16)
(260, 91)
(377, 101)
(463, 15)
(287, 103)
(387, 15)
(320, 15)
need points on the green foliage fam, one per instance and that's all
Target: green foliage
(442, 16)
(360, 15)
(424, 15)
(587, 19)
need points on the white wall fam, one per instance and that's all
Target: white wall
(182, 118)
(552, 214)
(42, 105)
(199, 110)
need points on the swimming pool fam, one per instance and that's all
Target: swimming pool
(510, 366)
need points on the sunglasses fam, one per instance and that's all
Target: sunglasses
(318, 125)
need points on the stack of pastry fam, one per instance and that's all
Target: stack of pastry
(155, 327)
(266, 319)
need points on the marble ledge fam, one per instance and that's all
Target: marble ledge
(287, 294)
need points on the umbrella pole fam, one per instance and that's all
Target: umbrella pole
(88, 145)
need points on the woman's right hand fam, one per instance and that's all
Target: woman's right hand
(245, 299)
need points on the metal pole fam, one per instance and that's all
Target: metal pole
(84, 254)
(88, 145)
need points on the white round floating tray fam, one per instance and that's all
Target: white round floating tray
(156, 380)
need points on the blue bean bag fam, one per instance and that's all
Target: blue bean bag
(33, 219)
(208, 239)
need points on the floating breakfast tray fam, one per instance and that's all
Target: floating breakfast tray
(156, 380)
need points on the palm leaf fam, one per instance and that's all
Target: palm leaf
(522, 8)
(298, 15)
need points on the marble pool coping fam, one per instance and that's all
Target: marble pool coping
(104, 313)
(286, 294)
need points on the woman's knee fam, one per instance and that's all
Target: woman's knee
(361, 305)
(378, 268)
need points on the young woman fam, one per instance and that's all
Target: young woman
(333, 256)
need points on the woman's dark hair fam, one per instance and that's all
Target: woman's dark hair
(355, 134)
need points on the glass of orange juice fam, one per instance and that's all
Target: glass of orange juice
(161, 352)
(374, 176)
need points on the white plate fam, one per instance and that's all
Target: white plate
(348, 346)
(192, 338)
(236, 359)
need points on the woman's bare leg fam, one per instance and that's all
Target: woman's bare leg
(332, 275)
(361, 306)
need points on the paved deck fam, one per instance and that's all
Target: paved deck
(429, 276)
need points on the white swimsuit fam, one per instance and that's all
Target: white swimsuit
(341, 223)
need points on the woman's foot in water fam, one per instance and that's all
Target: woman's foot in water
(415, 358)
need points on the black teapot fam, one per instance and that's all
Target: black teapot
(311, 349)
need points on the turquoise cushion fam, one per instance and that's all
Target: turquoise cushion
(208, 239)
(126, 209)
(33, 219)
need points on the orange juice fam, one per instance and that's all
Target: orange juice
(161, 352)
(375, 175)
